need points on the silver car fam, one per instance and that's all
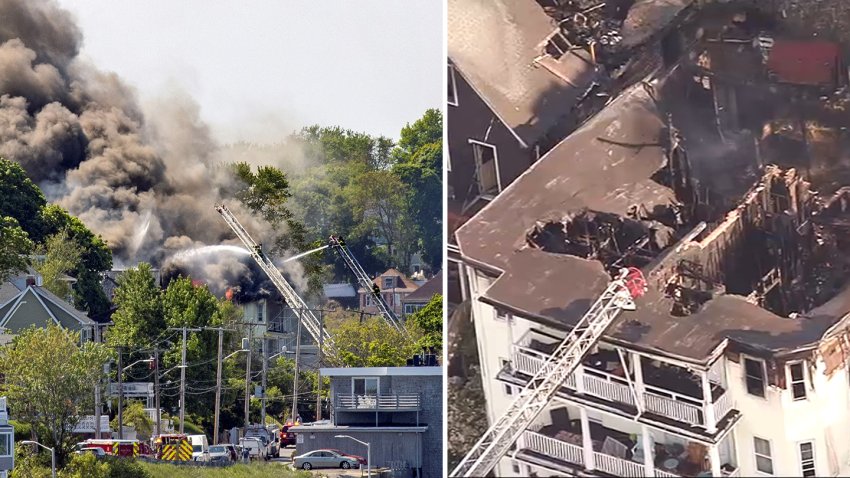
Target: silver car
(325, 459)
(220, 454)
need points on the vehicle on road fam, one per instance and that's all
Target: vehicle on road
(200, 447)
(287, 438)
(96, 451)
(269, 439)
(123, 448)
(220, 454)
(255, 446)
(327, 458)
(172, 447)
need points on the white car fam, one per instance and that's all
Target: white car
(200, 447)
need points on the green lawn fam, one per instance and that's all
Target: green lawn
(254, 470)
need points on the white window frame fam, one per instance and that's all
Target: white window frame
(389, 285)
(9, 438)
(791, 382)
(509, 389)
(377, 385)
(495, 161)
(368, 302)
(744, 359)
(813, 460)
(756, 454)
(450, 77)
(501, 317)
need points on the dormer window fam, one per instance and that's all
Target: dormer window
(388, 282)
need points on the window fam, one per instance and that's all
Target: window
(486, 168)
(396, 298)
(412, 308)
(798, 380)
(502, 315)
(261, 307)
(451, 84)
(368, 299)
(764, 459)
(509, 390)
(754, 371)
(365, 386)
(5, 440)
(807, 458)
(515, 467)
(388, 283)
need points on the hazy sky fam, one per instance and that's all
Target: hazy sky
(262, 68)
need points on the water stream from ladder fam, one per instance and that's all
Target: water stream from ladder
(299, 256)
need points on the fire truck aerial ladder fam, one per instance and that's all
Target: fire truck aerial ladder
(533, 399)
(295, 302)
(338, 244)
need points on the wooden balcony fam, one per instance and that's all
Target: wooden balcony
(668, 391)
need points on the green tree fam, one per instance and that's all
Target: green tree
(429, 321)
(15, 247)
(138, 319)
(134, 416)
(86, 466)
(21, 199)
(61, 256)
(373, 343)
(49, 379)
(419, 165)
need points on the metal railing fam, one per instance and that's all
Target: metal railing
(378, 402)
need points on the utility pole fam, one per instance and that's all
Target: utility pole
(297, 362)
(248, 382)
(97, 408)
(319, 368)
(265, 375)
(120, 394)
(218, 387)
(156, 389)
(183, 374)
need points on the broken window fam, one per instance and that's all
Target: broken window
(486, 168)
(764, 458)
(452, 86)
(798, 380)
(807, 458)
(754, 370)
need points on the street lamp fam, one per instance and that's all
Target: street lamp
(368, 452)
(52, 454)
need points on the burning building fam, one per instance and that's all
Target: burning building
(735, 360)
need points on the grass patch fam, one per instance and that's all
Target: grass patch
(253, 470)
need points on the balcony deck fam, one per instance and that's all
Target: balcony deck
(380, 403)
(561, 446)
(669, 392)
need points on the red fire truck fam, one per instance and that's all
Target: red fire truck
(125, 448)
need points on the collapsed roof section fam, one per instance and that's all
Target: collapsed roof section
(617, 192)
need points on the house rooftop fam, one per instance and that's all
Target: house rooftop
(648, 17)
(813, 63)
(493, 44)
(381, 371)
(609, 165)
(427, 290)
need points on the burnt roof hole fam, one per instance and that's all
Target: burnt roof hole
(613, 240)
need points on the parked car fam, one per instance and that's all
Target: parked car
(96, 451)
(326, 459)
(233, 450)
(220, 454)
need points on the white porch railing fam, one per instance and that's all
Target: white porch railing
(617, 466)
(665, 474)
(607, 386)
(558, 449)
(377, 402)
(722, 405)
(671, 407)
(604, 385)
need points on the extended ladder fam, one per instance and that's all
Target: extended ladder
(618, 296)
(304, 314)
(365, 282)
